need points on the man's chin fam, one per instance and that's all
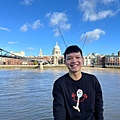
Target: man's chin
(74, 70)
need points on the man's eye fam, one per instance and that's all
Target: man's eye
(78, 57)
(68, 58)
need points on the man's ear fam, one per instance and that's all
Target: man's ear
(83, 60)
(64, 61)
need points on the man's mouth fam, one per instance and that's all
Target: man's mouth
(74, 65)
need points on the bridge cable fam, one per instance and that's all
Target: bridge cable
(84, 42)
(62, 36)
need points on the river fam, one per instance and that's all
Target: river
(26, 94)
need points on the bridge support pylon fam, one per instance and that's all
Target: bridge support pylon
(41, 66)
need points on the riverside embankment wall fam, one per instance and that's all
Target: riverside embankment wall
(49, 66)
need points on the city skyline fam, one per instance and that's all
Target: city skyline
(31, 25)
(22, 53)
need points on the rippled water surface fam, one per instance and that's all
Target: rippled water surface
(26, 94)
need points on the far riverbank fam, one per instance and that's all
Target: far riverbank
(52, 66)
(31, 66)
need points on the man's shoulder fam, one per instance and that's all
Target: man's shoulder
(88, 74)
(62, 78)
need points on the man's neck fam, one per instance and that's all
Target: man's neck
(75, 76)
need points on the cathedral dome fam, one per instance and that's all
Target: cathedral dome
(56, 47)
(56, 50)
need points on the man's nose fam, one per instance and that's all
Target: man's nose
(74, 60)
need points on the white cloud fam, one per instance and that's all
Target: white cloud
(30, 48)
(24, 28)
(12, 42)
(6, 29)
(35, 25)
(92, 35)
(95, 9)
(58, 19)
(56, 32)
(108, 1)
(26, 2)
(48, 14)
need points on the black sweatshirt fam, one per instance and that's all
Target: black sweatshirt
(66, 92)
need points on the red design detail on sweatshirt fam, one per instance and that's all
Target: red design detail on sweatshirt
(83, 98)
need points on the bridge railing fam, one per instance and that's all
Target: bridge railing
(4, 53)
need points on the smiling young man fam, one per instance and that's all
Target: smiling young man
(77, 95)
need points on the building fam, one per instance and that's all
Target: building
(54, 59)
(12, 61)
(40, 53)
(93, 59)
(57, 58)
(21, 53)
(112, 59)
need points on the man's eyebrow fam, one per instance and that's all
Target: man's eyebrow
(69, 56)
(75, 56)
(79, 55)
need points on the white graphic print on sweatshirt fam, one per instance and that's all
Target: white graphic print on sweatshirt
(80, 98)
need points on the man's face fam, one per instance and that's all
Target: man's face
(74, 61)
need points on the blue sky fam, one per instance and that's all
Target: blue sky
(31, 25)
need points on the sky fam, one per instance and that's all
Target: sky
(31, 25)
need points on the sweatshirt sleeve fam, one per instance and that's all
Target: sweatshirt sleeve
(98, 102)
(59, 111)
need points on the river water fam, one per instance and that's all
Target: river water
(26, 94)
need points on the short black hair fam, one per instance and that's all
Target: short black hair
(72, 49)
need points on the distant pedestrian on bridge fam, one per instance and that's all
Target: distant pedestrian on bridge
(77, 95)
